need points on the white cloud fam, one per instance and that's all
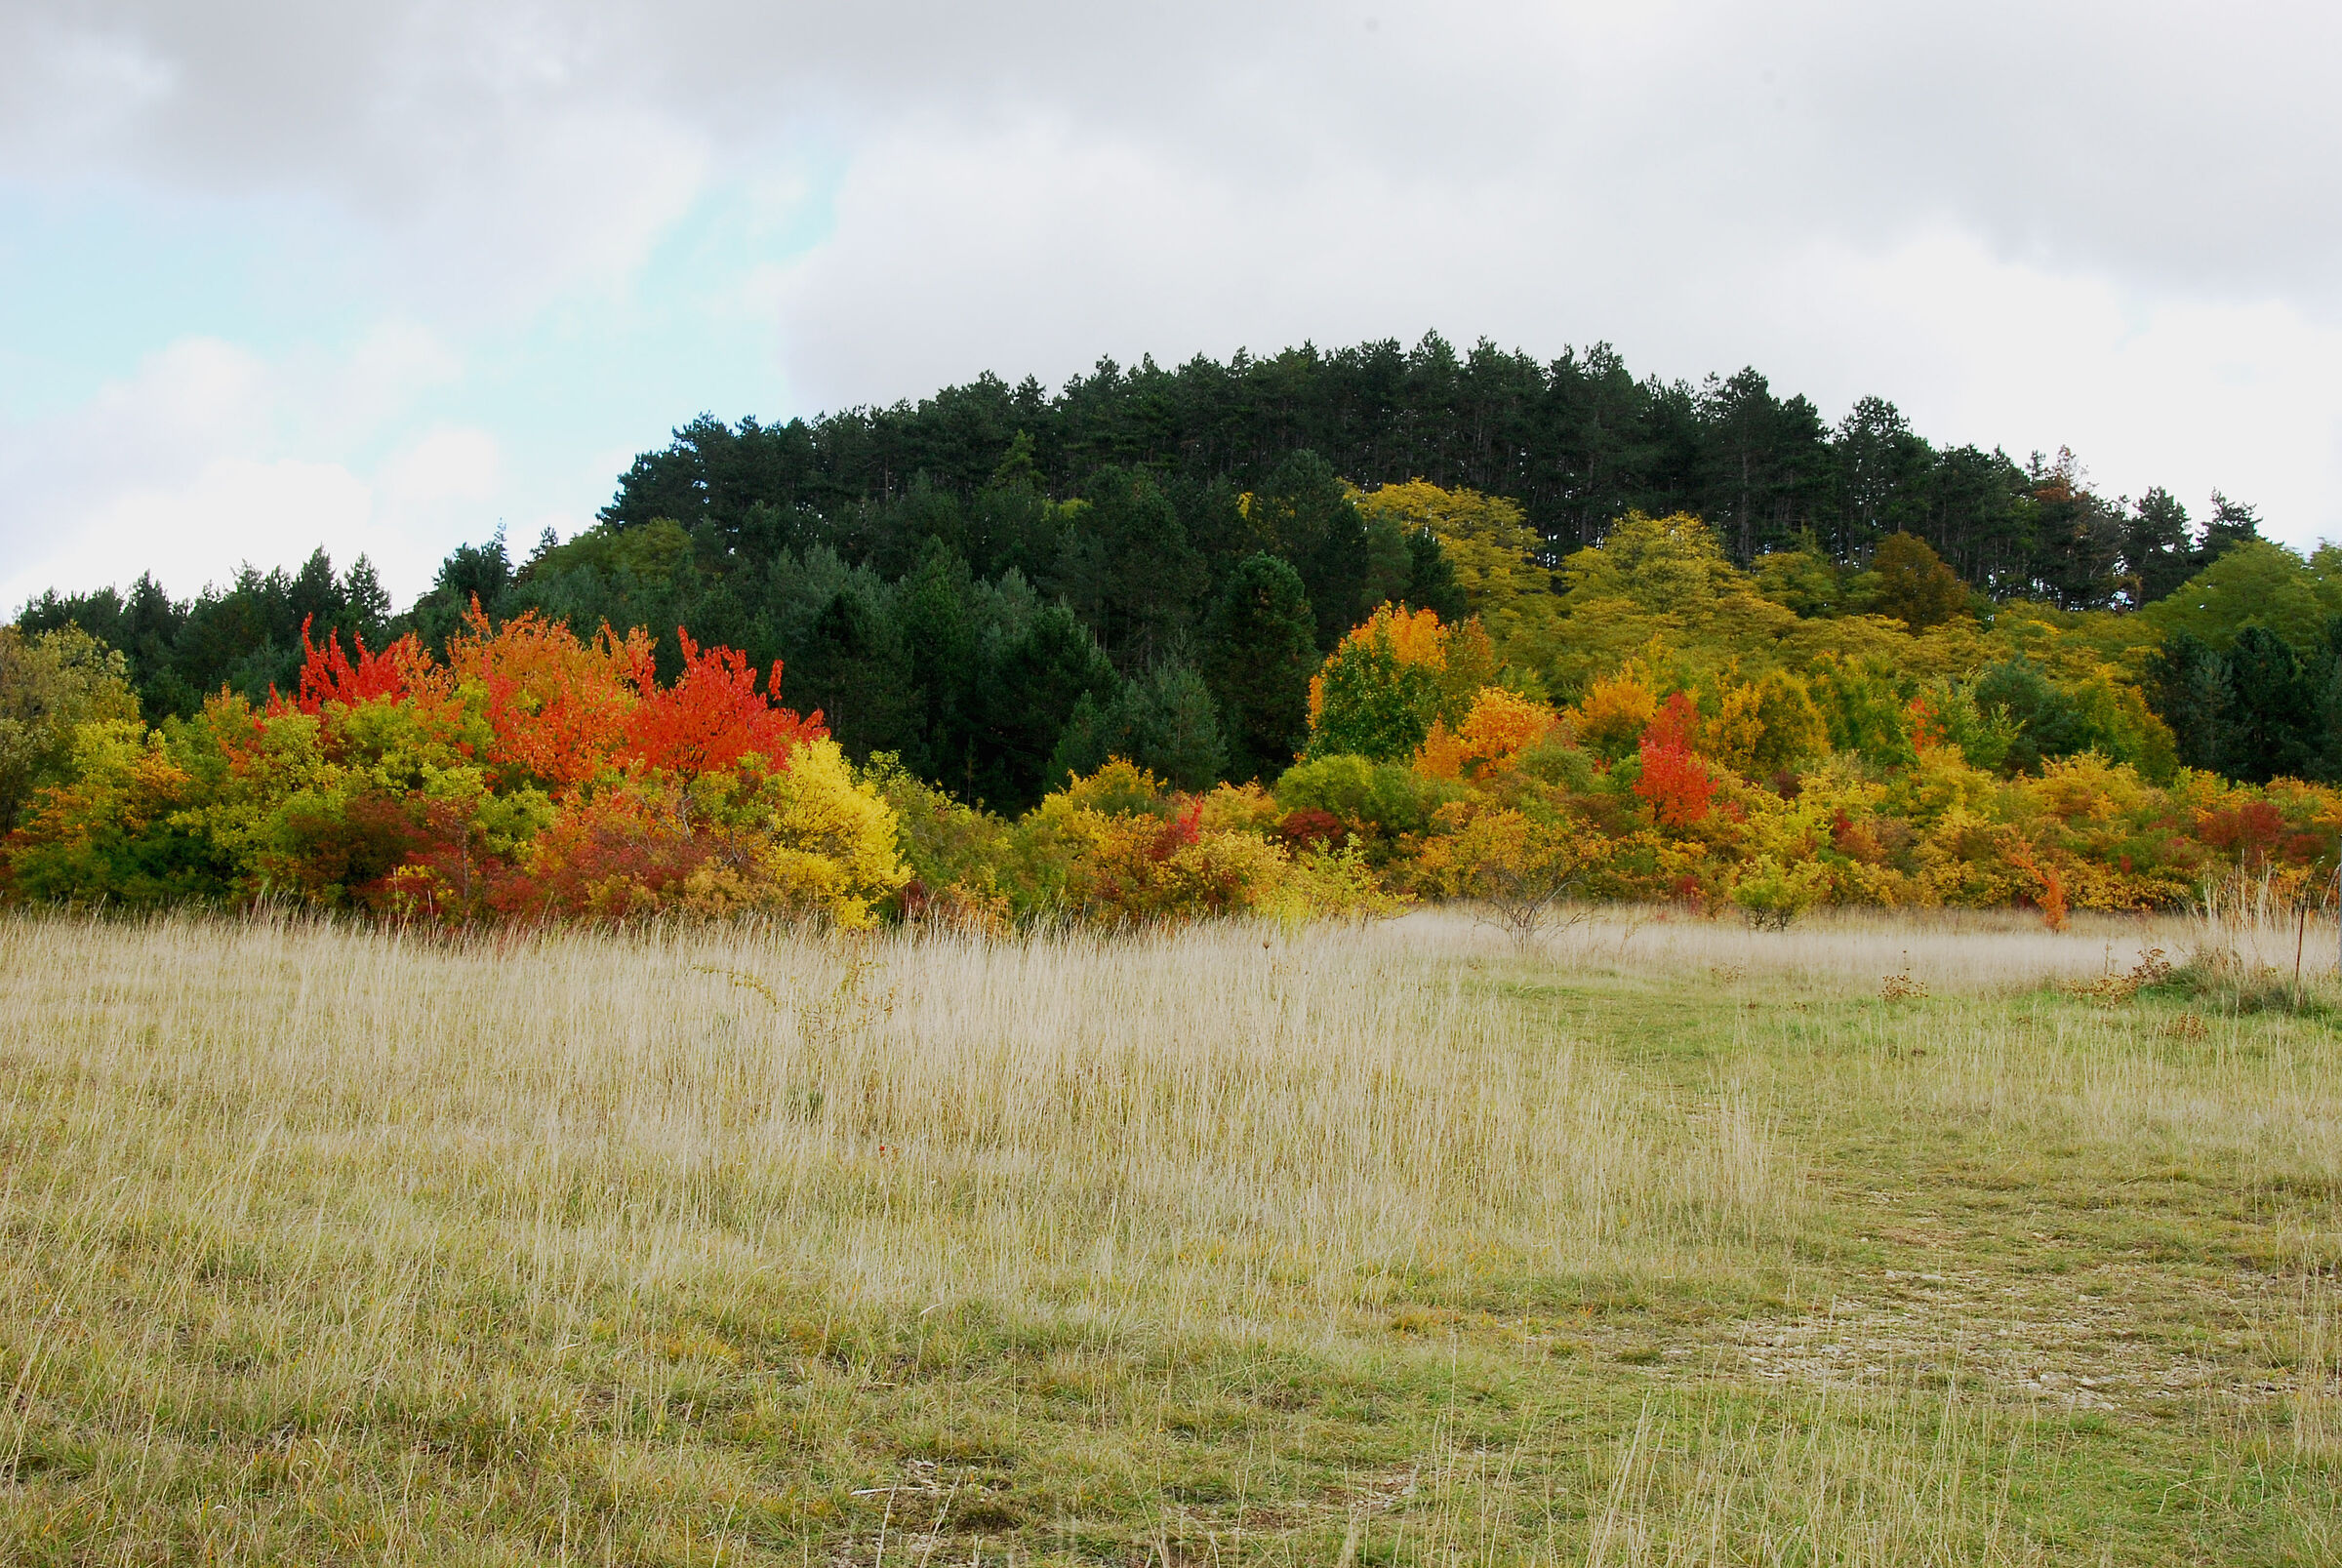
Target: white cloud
(210, 456)
(227, 513)
(444, 465)
(2150, 389)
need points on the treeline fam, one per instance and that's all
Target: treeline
(245, 637)
(530, 775)
(1577, 442)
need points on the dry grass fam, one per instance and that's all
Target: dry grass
(1380, 1244)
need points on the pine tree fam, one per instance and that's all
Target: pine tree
(1169, 724)
(2156, 545)
(2266, 733)
(368, 602)
(1308, 519)
(1262, 650)
(1028, 703)
(1127, 569)
(2187, 686)
(934, 613)
(852, 666)
(1432, 578)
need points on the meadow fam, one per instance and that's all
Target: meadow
(1881, 1240)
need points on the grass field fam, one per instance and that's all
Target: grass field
(1674, 1243)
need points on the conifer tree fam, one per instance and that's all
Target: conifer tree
(1262, 645)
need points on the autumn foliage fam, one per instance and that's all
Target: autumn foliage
(526, 774)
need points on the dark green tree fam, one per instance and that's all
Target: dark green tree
(1161, 719)
(2078, 538)
(1027, 700)
(2049, 723)
(1127, 569)
(854, 668)
(1882, 470)
(2230, 524)
(2268, 730)
(2326, 765)
(2187, 687)
(1432, 579)
(1167, 722)
(1307, 517)
(942, 642)
(1260, 649)
(2158, 546)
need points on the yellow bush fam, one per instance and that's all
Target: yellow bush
(830, 838)
(1615, 711)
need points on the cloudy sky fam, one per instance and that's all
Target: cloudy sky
(275, 273)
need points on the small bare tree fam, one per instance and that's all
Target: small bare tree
(1519, 872)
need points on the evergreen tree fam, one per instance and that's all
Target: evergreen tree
(1261, 649)
(1084, 744)
(2078, 538)
(315, 594)
(2267, 731)
(367, 601)
(2158, 549)
(1882, 469)
(2187, 686)
(2326, 761)
(941, 644)
(1307, 517)
(1389, 567)
(1432, 579)
(2232, 523)
(1029, 699)
(1127, 569)
(1166, 723)
(854, 668)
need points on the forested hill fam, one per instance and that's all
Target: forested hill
(1577, 442)
(999, 586)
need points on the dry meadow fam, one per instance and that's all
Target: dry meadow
(1928, 1240)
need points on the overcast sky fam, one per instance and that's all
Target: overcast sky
(275, 273)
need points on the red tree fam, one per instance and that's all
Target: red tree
(1675, 782)
(713, 715)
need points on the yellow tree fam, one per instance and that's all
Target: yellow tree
(1500, 726)
(1492, 547)
(1499, 559)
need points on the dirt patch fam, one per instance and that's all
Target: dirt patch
(2097, 1342)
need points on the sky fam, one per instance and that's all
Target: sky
(275, 274)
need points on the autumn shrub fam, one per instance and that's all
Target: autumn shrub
(117, 832)
(1382, 804)
(1772, 896)
(1615, 711)
(51, 684)
(1518, 867)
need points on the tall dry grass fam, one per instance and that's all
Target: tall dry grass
(1212, 1125)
